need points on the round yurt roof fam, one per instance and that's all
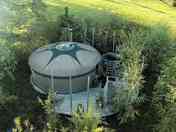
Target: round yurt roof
(64, 59)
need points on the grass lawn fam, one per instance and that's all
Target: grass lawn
(144, 12)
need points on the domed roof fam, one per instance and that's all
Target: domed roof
(64, 59)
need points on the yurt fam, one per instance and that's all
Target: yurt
(54, 65)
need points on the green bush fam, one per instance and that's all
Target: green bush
(156, 46)
(164, 99)
(159, 73)
(7, 59)
(8, 110)
(86, 121)
(143, 53)
(127, 97)
(7, 62)
(52, 120)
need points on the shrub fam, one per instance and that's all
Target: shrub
(157, 49)
(164, 99)
(128, 95)
(52, 120)
(7, 62)
(159, 72)
(157, 44)
(8, 110)
(7, 59)
(86, 121)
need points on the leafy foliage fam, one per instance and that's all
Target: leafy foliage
(8, 110)
(49, 106)
(22, 124)
(7, 61)
(86, 121)
(165, 96)
(157, 44)
(18, 124)
(129, 95)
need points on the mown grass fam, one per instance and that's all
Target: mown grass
(144, 12)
